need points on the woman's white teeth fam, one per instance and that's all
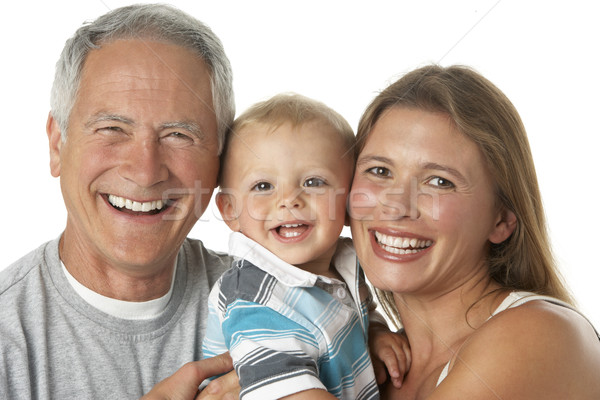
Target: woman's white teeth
(400, 245)
(145, 206)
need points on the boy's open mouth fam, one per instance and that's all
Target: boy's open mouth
(291, 230)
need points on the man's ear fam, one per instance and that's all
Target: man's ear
(506, 223)
(55, 142)
(227, 208)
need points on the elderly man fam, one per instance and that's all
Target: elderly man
(141, 103)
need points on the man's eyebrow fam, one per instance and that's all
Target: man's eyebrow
(102, 117)
(189, 126)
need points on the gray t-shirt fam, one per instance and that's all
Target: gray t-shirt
(54, 345)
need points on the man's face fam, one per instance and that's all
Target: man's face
(140, 160)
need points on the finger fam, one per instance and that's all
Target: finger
(183, 384)
(390, 359)
(213, 366)
(380, 371)
(228, 383)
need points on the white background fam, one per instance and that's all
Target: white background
(543, 55)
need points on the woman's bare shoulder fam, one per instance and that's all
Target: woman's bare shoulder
(536, 350)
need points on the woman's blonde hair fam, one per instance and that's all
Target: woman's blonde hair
(486, 116)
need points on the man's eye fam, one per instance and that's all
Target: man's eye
(313, 182)
(379, 171)
(179, 135)
(110, 129)
(440, 182)
(262, 187)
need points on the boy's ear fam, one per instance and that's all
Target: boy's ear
(55, 143)
(506, 223)
(227, 208)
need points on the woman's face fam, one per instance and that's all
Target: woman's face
(422, 204)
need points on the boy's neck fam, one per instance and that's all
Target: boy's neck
(322, 265)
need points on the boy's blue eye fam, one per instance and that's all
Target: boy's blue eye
(313, 182)
(262, 186)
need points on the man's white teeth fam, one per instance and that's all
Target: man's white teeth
(400, 245)
(145, 206)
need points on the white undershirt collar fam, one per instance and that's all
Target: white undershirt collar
(130, 310)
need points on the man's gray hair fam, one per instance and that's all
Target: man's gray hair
(144, 21)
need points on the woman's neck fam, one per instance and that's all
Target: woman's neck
(437, 325)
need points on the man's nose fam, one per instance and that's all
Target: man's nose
(144, 162)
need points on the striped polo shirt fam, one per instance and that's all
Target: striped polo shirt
(289, 330)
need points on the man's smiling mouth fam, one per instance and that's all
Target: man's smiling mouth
(127, 205)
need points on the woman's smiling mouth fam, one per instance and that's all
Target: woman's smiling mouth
(401, 245)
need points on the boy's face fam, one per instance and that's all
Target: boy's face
(286, 189)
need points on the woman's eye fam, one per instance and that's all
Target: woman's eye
(314, 182)
(440, 182)
(379, 171)
(262, 187)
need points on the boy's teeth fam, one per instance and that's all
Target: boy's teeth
(291, 230)
(400, 243)
(290, 234)
(146, 206)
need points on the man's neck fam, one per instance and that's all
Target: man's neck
(115, 280)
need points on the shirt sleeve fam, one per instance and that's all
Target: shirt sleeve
(213, 343)
(273, 355)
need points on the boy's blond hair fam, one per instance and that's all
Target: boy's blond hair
(294, 109)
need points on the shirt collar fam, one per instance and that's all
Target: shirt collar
(245, 248)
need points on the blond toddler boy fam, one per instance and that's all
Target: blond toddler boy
(293, 309)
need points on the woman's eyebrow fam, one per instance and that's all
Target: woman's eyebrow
(368, 158)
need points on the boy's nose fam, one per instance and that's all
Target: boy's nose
(291, 198)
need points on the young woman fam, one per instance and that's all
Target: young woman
(448, 225)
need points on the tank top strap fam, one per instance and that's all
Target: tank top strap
(515, 299)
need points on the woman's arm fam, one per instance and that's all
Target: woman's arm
(536, 351)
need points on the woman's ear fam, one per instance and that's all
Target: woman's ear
(506, 223)
(55, 143)
(227, 208)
